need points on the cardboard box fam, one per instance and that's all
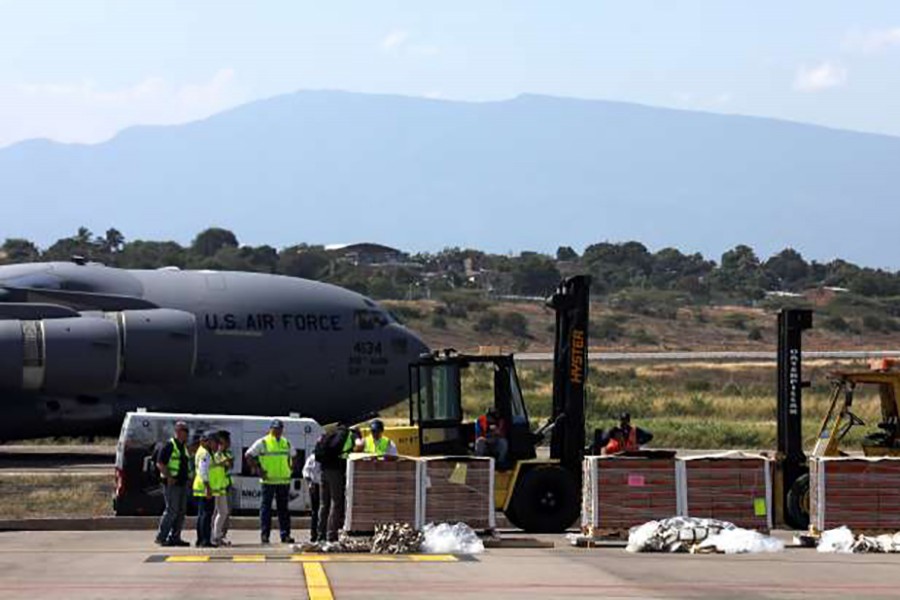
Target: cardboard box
(861, 493)
(382, 491)
(734, 487)
(621, 492)
(459, 489)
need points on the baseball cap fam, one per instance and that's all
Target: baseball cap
(276, 424)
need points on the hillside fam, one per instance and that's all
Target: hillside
(719, 328)
(532, 172)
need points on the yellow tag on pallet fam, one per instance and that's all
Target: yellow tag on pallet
(759, 507)
(458, 476)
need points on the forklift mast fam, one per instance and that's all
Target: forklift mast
(791, 325)
(570, 369)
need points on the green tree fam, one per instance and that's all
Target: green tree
(141, 254)
(112, 241)
(534, 274)
(740, 274)
(787, 269)
(566, 253)
(211, 240)
(309, 262)
(17, 250)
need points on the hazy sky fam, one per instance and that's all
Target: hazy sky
(81, 70)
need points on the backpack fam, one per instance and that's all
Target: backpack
(331, 446)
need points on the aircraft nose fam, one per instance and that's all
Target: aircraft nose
(407, 344)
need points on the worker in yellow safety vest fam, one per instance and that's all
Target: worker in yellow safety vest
(273, 457)
(205, 482)
(172, 462)
(220, 479)
(379, 444)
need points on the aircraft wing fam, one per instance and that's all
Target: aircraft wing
(75, 300)
(35, 311)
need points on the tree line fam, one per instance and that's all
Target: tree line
(621, 272)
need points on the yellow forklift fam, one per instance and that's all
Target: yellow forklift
(536, 494)
(792, 469)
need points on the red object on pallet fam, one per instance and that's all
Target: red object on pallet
(733, 487)
(622, 491)
(862, 493)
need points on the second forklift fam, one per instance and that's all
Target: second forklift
(537, 494)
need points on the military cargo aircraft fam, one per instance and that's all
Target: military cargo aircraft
(81, 344)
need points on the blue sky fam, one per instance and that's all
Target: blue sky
(79, 71)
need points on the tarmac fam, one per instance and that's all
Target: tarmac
(126, 564)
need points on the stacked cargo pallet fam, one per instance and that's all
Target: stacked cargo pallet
(733, 486)
(624, 491)
(861, 493)
(382, 491)
(459, 489)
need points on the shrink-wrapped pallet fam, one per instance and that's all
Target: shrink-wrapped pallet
(459, 489)
(382, 491)
(623, 491)
(859, 492)
(734, 487)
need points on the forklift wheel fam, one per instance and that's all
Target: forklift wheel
(797, 510)
(546, 501)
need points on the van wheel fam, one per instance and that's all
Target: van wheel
(546, 501)
(796, 512)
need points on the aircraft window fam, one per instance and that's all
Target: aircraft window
(369, 319)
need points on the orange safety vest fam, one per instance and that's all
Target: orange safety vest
(631, 442)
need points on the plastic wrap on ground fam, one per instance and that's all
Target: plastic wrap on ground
(444, 538)
(841, 540)
(675, 534)
(739, 541)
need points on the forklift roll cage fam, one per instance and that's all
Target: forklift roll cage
(436, 404)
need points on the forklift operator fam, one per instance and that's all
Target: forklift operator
(490, 437)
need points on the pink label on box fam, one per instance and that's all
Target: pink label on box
(636, 480)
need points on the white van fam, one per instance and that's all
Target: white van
(138, 487)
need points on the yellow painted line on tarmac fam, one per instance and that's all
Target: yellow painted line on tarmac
(311, 558)
(317, 585)
(249, 558)
(188, 558)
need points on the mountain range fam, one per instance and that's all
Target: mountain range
(529, 173)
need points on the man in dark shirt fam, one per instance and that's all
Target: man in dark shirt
(172, 462)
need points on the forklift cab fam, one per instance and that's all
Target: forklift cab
(840, 418)
(436, 405)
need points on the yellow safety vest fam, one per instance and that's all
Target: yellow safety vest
(218, 475)
(227, 456)
(276, 460)
(174, 464)
(377, 447)
(199, 486)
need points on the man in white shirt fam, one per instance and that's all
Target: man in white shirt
(312, 473)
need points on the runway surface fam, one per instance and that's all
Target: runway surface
(126, 565)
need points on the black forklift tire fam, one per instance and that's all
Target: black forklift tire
(547, 500)
(796, 513)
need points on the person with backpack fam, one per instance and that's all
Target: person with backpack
(331, 453)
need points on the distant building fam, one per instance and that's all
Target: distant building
(367, 254)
